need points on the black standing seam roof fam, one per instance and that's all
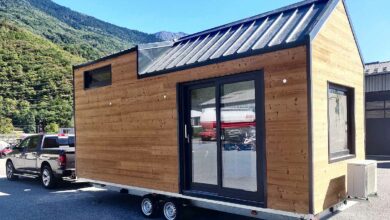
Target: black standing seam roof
(286, 26)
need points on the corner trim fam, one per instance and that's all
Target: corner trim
(322, 18)
(309, 71)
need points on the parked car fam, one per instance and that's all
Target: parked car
(5, 151)
(51, 157)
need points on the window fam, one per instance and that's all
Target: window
(24, 143)
(385, 69)
(97, 77)
(378, 109)
(340, 122)
(58, 142)
(34, 143)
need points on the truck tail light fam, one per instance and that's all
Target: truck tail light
(62, 160)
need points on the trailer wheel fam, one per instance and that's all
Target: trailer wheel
(149, 206)
(172, 209)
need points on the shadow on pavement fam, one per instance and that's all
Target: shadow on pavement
(85, 202)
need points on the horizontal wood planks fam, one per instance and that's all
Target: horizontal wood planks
(127, 132)
(335, 59)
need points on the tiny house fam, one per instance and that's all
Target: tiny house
(258, 117)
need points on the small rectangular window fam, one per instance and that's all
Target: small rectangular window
(98, 77)
(375, 105)
(374, 114)
(341, 128)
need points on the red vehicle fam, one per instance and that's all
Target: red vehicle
(231, 119)
(5, 149)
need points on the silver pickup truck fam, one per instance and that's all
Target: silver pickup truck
(51, 157)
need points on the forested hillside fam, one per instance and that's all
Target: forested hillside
(77, 33)
(39, 42)
(35, 80)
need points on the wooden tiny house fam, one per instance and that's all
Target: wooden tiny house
(266, 111)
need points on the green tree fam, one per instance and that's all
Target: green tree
(6, 125)
(52, 128)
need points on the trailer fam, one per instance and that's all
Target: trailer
(258, 117)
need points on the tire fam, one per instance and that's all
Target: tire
(10, 171)
(172, 209)
(49, 181)
(149, 206)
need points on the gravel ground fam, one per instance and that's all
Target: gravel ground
(27, 199)
(377, 207)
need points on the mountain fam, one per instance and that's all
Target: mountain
(166, 35)
(39, 42)
(80, 34)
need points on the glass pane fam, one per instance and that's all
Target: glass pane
(375, 114)
(387, 113)
(388, 104)
(375, 105)
(98, 77)
(238, 140)
(204, 145)
(338, 121)
(34, 141)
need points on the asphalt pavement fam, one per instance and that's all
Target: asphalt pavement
(25, 198)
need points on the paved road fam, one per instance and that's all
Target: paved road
(26, 199)
(377, 207)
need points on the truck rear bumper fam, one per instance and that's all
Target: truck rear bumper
(71, 173)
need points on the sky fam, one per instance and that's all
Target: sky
(370, 18)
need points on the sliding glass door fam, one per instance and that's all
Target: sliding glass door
(223, 140)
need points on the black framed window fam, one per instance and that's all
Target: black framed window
(378, 109)
(98, 77)
(341, 128)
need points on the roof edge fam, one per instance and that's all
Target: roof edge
(325, 16)
(299, 43)
(354, 33)
(275, 11)
(114, 55)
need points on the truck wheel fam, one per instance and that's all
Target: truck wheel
(48, 179)
(10, 171)
(172, 209)
(149, 206)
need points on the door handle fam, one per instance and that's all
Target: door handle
(186, 134)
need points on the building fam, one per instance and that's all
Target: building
(378, 108)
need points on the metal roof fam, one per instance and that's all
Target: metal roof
(377, 68)
(377, 76)
(277, 29)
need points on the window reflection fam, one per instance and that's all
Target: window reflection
(238, 130)
(204, 146)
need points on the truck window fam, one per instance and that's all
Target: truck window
(24, 143)
(34, 143)
(56, 142)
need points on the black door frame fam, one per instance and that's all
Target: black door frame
(187, 187)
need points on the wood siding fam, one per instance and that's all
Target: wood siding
(127, 132)
(335, 58)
